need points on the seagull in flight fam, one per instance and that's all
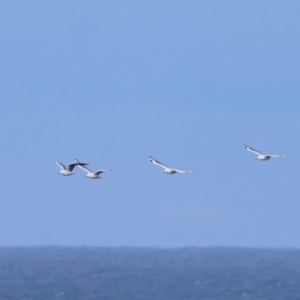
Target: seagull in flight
(92, 175)
(67, 171)
(262, 156)
(166, 170)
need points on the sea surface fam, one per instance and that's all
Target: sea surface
(84, 273)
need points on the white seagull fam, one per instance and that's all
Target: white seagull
(93, 175)
(262, 156)
(167, 170)
(67, 171)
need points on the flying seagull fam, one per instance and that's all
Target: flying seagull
(66, 171)
(167, 170)
(262, 156)
(93, 175)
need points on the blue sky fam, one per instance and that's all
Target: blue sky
(113, 82)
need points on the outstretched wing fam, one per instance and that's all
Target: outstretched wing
(252, 150)
(158, 163)
(102, 171)
(182, 171)
(71, 166)
(63, 167)
(272, 155)
(85, 168)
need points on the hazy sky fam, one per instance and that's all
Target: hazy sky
(113, 82)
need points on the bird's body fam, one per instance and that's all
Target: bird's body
(167, 170)
(67, 171)
(261, 156)
(93, 175)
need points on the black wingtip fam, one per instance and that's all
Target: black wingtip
(79, 163)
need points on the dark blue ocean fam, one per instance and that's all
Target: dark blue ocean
(84, 273)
